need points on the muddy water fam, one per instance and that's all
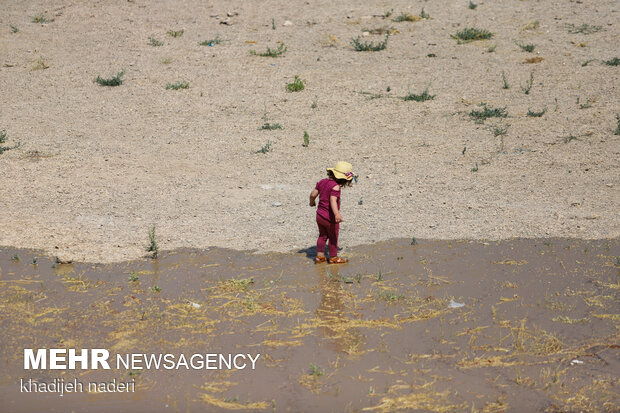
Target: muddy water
(519, 325)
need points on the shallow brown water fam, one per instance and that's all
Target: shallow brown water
(379, 331)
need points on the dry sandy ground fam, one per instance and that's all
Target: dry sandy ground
(98, 166)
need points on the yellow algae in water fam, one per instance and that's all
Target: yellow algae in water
(232, 405)
(510, 262)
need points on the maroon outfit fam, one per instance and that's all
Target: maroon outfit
(325, 219)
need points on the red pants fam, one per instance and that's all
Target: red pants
(327, 230)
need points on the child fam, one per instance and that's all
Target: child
(328, 215)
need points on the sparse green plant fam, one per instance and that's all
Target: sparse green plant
(528, 85)
(156, 289)
(617, 131)
(273, 24)
(266, 148)
(424, 14)
(535, 114)
(388, 13)
(431, 55)
(113, 81)
(153, 247)
(133, 277)
(296, 86)
(371, 46)
(583, 29)
(15, 258)
(527, 47)
(470, 34)
(424, 96)
(500, 130)
(212, 42)
(475, 168)
(154, 42)
(505, 81)
(34, 261)
(587, 62)
(533, 25)
(175, 33)
(40, 18)
(177, 85)
(612, 62)
(272, 52)
(3, 140)
(586, 105)
(390, 296)
(491, 48)
(414, 241)
(569, 138)
(487, 112)
(270, 126)
(306, 139)
(40, 64)
(315, 370)
(406, 17)
(472, 5)
(14, 29)
(240, 284)
(314, 105)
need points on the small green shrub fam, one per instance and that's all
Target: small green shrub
(14, 29)
(583, 29)
(472, 5)
(175, 33)
(475, 168)
(612, 62)
(271, 52)
(534, 114)
(406, 17)
(297, 85)
(212, 42)
(113, 81)
(424, 15)
(315, 370)
(154, 42)
(487, 112)
(505, 81)
(500, 130)
(617, 131)
(424, 96)
(3, 140)
(177, 85)
(40, 18)
(270, 126)
(133, 277)
(528, 85)
(153, 247)
(527, 47)
(470, 34)
(306, 139)
(266, 148)
(371, 46)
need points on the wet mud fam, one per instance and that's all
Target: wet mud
(516, 325)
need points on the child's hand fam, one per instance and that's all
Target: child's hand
(312, 203)
(339, 219)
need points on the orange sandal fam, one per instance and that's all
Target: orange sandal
(338, 260)
(319, 260)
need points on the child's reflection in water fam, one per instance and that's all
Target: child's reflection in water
(332, 312)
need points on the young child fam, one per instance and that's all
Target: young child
(328, 215)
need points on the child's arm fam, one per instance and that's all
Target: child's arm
(333, 203)
(313, 195)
